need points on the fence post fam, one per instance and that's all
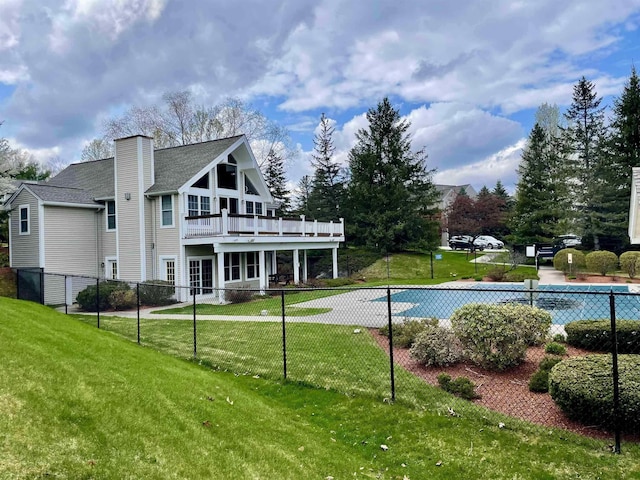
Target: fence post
(195, 347)
(614, 359)
(284, 335)
(393, 380)
(18, 283)
(98, 300)
(42, 286)
(138, 308)
(65, 296)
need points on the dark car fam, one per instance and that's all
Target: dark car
(463, 242)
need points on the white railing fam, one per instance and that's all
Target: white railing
(225, 224)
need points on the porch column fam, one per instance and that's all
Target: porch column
(220, 274)
(305, 273)
(296, 266)
(335, 262)
(274, 261)
(262, 268)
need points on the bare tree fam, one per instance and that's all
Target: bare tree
(97, 149)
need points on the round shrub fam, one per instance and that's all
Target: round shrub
(595, 335)
(123, 299)
(154, 293)
(436, 346)
(539, 381)
(496, 337)
(555, 348)
(88, 298)
(601, 261)
(405, 333)
(460, 387)
(629, 263)
(583, 388)
(561, 260)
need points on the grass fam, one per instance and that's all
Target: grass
(273, 305)
(77, 402)
(415, 268)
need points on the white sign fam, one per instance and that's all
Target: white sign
(569, 258)
(531, 251)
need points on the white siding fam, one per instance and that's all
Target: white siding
(25, 248)
(167, 239)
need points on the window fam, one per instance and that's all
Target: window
(113, 272)
(203, 182)
(111, 214)
(111, 268)
(271, 213)
(25, 226)
(231, 266)
(167, 210)
(198, 205)
(231, 204)
(205, 206)
(170, 271)
(258, 208)
(227, 176)
(201, 276)
(193, 205)
(249, 208)
(249, 187)
(253, 265)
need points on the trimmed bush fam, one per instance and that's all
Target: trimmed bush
(555, 348)
(520, 276)
(88, 299)
(437, 346)
(497, 274)
(154, 293)
(583, 388)
(496, 337)
(629, 263)
(539, 381)
(601, 261)
(238, 296)
(595, 335)
(405, 333)
(460, 387)
(123, 299)
(561, 260)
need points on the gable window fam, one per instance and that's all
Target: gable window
(25, 224)
(227, 176)
(231, 266)
(249, 188)
(253, 265)
(167, 210)
(203, 182)
(111, 215)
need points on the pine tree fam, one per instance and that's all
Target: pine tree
(535, 215)
(585, 134)
(327, 182)
(391, 197)
(624, 154)
(302, 195)
(276, 180)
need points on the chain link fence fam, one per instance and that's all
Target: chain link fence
(559, 356)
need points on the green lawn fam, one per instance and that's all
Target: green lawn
(78, 402)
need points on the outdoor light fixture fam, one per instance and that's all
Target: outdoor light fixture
(127, 196)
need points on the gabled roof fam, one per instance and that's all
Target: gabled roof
(55, 194)
(177, 165)
(94, 177)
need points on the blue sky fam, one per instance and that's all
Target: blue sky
(467, 74)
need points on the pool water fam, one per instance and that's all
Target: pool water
(565, 303)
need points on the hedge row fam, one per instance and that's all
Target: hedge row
(119, 295)
(595, 335)
(583, 388)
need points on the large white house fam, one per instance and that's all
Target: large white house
(198, 215)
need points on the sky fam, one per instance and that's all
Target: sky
(468, 75)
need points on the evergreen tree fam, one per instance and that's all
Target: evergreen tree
(391, 197)
(275, 179)
(535, 215)
(326, 195)
(301, 198)
(624, 154)
(585, 134)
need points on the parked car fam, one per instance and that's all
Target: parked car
(489, 242)
(568, 241)
(464, 242)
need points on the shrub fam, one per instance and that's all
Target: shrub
(601, 261)
(520, 276)
(595, 335)
(436, 345)
(559, 338)
(561, 260)
(539, 381)
(629, 263)
(497, 274)
(154, 293)
(460, 387)
(238, 296)
(555, 348)
(405, 333)
(496, 336)
(583, 388)
(123, 299)
(338, 282)
(88, 299)
(4, 259)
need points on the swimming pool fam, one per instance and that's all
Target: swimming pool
(565, 303)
